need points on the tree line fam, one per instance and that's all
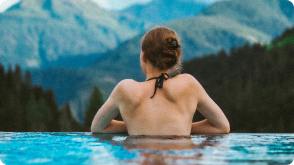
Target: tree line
(29, 108)
(252, 84)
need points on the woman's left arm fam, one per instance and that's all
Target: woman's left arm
(103, 121)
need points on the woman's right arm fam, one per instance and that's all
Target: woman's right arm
(216, 121)
(103, 121)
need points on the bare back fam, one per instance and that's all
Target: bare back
(169, 112)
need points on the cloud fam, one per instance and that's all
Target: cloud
(107, 4)
(118, 4)
(5, 4)
(121, 4)
(1, 1)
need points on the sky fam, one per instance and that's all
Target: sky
(107, 4)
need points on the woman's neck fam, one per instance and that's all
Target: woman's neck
(149, 70)
(154, 73)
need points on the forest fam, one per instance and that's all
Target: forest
(252, 84)
(25, 107)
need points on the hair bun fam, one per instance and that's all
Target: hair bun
(161, 47)
(173, 45)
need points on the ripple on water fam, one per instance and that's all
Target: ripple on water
(85, 148)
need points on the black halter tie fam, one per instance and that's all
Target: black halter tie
(159, 81)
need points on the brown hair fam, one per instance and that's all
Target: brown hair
(161, 47)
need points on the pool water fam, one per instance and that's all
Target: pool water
(115, 149)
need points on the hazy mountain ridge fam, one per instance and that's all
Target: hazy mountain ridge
(203, 34)
(45, 33)
(230, 23)
(35, 33)
(159, 11)
(255, 14)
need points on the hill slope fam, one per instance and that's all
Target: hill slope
(37, 33)
(229, 23)
(159, 11)
(224, 25)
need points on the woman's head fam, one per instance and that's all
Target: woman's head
(161, 46)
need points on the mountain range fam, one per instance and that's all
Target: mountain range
(53, 33)
(227, 24)
(223, 25)
(46, 33)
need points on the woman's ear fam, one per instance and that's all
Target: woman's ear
(144, 59)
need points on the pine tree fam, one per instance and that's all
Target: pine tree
(33, 115)
(25, 94)
(3, 88)
(46, 116)
(17, 77)
(54, 112)
(95, 102)
(28, 78)
(66, 121)
(10, 83)
(24, 107)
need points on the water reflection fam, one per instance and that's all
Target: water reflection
(165, 149)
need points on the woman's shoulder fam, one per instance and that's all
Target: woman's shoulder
(186, 76)
(127, 84)
(188, 84)
(187, 79)
(127, 88)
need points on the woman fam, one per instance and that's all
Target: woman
(166, 109)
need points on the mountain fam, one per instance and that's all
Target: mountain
(268, 16)
(223, 25)
(45, 33)
(226, 24)
(280, 42)
(159, 11)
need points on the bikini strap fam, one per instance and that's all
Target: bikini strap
(159, 81)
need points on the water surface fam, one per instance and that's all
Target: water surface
(113, 149)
